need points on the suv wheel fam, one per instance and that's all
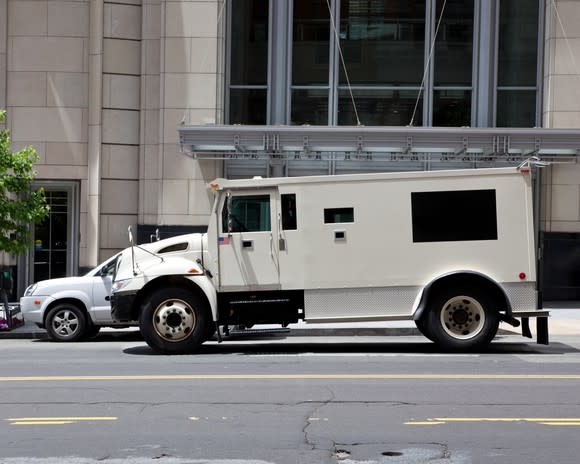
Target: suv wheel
(66, 323)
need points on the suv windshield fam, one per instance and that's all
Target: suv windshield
(106, 269)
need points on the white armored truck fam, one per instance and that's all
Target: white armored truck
(452, 250)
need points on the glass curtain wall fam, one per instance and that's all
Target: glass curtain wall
(387, 62)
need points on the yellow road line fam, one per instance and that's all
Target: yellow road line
(61, 419)
(42, 423)
(63, 378)
(506, 419)
(554, 421)
(561, 423)
(424, 423)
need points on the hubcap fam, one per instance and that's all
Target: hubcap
(65, 323)
(174, 320)
(462, 317)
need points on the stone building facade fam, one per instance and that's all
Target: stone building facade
(99, 88)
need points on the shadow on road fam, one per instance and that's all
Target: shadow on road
(273, 347)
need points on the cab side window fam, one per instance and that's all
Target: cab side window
(249, 213)
(289, 211)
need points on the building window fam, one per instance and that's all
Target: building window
(248, 70)
(383, 44)
(517, 64)
(453, 64)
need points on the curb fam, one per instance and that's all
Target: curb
(23, 335)
(34, 333)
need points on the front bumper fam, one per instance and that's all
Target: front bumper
(122, 309)
(33, 308)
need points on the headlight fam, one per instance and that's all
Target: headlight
(120, 284)
(30, 290)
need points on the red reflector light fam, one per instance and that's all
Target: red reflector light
(522, 275)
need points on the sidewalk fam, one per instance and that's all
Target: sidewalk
(564, 320)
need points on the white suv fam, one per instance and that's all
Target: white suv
(72, 308)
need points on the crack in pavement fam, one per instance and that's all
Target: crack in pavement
(308, 419)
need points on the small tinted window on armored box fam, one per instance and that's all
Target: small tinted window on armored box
(454, 216)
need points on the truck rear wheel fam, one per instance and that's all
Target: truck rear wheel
(173, 321)
(423, 327)
(462, 319)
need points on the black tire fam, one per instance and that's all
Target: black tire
(174, 321)
(423, 327)
(462, 319)
(210, 330)
(92, 331)
(66, 322)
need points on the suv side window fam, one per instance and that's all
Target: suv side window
(109, 269)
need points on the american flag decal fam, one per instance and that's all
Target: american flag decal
(224, 240)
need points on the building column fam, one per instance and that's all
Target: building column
(95, 131)
(484, 68)
(3, 50)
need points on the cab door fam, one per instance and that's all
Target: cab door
(247, 241)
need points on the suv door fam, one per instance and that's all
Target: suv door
(247, 242)
(101, 291)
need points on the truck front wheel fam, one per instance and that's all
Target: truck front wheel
(173, 321)
(462, 319)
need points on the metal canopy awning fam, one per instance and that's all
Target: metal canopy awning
(343, 143)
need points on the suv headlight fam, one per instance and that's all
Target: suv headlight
(119, 285)
(30, 290)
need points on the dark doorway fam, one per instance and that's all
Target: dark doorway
(51, 237)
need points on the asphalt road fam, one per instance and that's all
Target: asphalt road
(296, 400)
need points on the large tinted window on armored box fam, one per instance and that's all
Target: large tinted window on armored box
(454, 216)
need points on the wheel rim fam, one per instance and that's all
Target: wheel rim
(174, 320)
(462, 317)
(65, 323)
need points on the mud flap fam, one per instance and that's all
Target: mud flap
(526, 332)
(542, 330)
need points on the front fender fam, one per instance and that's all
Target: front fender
(206, 286)
(72, 295)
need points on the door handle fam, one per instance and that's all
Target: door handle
(247, 244)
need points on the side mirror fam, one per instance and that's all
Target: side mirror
(130, 232)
